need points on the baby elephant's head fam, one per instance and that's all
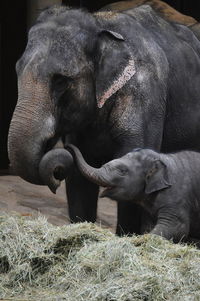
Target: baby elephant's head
(129, 177)
(132, 176)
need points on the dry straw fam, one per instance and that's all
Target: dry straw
(39, 261)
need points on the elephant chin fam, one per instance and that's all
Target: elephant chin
(54, 167)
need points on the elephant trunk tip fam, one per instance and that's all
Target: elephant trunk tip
(53, 185)
(54, 167)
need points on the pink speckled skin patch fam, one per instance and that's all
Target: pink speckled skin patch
(127, 73)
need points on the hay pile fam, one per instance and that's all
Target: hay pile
(39, 261)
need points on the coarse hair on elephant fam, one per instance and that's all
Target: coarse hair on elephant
(107, 82)
(167, 186)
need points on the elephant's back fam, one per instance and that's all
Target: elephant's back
(163, 9)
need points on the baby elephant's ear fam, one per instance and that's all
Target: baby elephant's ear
(157, 177)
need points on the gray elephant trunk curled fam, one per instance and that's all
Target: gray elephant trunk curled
(96, 175)
(54, 167)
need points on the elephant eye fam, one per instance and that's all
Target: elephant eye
(59, 85)
(123, 170)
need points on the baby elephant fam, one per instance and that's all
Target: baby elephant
(166, 185)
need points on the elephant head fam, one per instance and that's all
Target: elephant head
(70, 67)
(130, 177)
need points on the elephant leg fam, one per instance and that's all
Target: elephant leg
(147, 222)
(172, 225)
(82, 198)
(128, 218)
(177, 233)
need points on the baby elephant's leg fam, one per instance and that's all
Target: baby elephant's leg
(172, 225)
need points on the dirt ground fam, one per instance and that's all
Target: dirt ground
(27, 199)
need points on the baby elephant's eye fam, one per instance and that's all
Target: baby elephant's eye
(123, 170)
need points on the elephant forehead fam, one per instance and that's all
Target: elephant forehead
(143, 156)
(126, 161)
(69, 63)
(54, 36)
(61, 54)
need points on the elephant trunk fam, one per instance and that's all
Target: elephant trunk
(55, 167)
(95, 175)
(32, 125)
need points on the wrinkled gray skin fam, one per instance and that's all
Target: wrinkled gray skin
(108, 83)
(54, 167)
(166, 185)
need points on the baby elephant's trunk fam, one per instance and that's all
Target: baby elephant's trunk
(95, 175)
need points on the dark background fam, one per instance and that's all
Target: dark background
(13, 34)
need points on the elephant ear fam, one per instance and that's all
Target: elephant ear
(115, 65)
(157, 177)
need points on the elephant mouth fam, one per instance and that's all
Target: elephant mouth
(107, 190)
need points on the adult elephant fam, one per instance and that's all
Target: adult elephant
(107, 82)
